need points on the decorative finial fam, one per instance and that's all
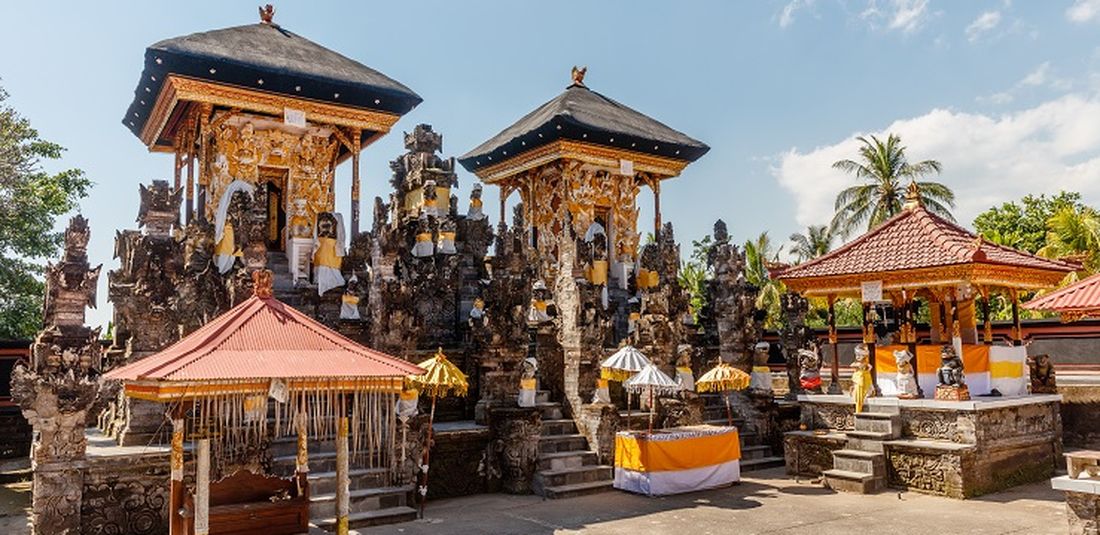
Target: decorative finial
(261, 283)
(578, 75)
(912, 196)
(267, 13)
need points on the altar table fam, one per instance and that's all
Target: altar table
(673, 461)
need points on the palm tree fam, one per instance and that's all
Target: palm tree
(883, 169)
(1074, 233)
(759, 256)
(817, 241)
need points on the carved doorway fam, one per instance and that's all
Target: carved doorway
(274, 183)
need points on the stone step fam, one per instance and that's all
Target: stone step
(550, 411)
(579, 489)
(566, 459)
(866, 445)
(360, 500)
(762, 463)
(848, 481)
(870, 435)
(860, 461)
(564, 426)
(358, 478)
(562, 443)
(390, 515)
(881, 422)
(755, 452)
(572, 476)
(284, 446)
(542, 396)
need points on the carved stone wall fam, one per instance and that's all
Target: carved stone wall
(808, 454)
(516, 433)
(126, 495)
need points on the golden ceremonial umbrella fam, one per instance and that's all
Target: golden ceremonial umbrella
(441, 378)
(723, 378)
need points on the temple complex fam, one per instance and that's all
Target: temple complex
(241, 280)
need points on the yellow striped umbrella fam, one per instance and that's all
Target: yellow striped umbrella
(723, 378)
(441, 378)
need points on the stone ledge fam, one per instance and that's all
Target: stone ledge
(1084, 485)
(976, 404)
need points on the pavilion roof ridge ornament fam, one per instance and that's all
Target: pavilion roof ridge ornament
(267, 14)
(578, 76)
(912, 196)
(262, 283)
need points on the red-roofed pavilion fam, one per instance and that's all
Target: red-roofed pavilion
(1077, 301)
(918, 254)
(223, 374)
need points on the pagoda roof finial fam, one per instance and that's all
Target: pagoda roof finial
(912, 196)
(267, 14)
(578, 75)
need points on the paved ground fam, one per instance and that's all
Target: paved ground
(767, 502)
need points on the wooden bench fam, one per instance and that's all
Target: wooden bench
(1087, 461)
(242, 503)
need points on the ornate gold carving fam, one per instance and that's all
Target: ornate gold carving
(178, 89)
(945, 276)
(598, 155)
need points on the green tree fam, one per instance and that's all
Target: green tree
(885, 173)
(759, 256)
(1074, 232)
(694, 274)
(1023, 224)
(817, 241)
(30, 200)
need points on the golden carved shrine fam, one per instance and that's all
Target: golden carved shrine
(586, 156)
(265, 106)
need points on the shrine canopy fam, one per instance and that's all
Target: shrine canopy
(263, 68)
(255, 344)
(1076, 301)
(918, 249)
(584, 125)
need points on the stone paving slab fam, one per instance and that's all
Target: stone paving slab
(768, 502)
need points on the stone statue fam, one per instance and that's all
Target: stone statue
(538, 311)
(952, 384)
(684, 375)
(349, 302)
(475, 212)
(1042, 375)
(906, 379)
(761, 376)
(528, 384)
(810, 377)
(423, 246)
(447, 237)
(795, 335)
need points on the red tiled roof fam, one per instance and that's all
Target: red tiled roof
(1081, 295)
(914, 239)
(264, 338)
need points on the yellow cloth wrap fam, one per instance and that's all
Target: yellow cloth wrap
(350, 299)
(615, 375)
(476, 203)
(975, 358)
(424, 236)
(443, 195)
(761, 369)
(446, 236)
(527, 384)
(226, 245)
(634, 316)
(598, 273)
(601, 383)
(861, 386)
(641, 455)
(410, 394)
(1005, 369)
(540, 305)
(326, 253)
(643, 278)
(683, 369)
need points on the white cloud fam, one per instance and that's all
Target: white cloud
(786, 16)
(908, 16)
(1083, 10)
(983, 24)
(1041, 77)
(987, 159)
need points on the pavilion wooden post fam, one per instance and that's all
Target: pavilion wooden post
(869, 340)
(834, 375)
(911, 338)
(175, 485)
(189, 203)
(301, 467)
(202, 488)
(503, 198)
(987, 319)
(1017, 329)
(204, 179)
(342, 479)
(357, 145)
(656, 185)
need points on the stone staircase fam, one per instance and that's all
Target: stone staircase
(755, 454)
(373, 499)
(566, 465)
(861, 466)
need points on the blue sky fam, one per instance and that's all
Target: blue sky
(1004, 93)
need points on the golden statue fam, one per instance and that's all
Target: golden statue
(578, 75)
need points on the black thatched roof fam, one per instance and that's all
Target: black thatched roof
(581, 114)
(286, 62)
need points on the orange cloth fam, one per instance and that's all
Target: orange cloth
(642, 455)
(975, 358)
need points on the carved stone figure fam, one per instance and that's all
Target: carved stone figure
(795, 335)
(810, 377)
(761, 377)
(906, 380)
(1042, 375)
(731, 301)
(952, 385)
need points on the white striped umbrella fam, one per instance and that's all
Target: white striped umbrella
(651, 379)
(626, 362)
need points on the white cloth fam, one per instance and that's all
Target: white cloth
(602, 395)
(423, 249)
(527, 397)
(760, 381)
(686, 379)
(446, 245)
(224, 262)
(223, 206)
(678, 481)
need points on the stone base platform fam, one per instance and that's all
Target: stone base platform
(1082, 503)
(958, 449)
